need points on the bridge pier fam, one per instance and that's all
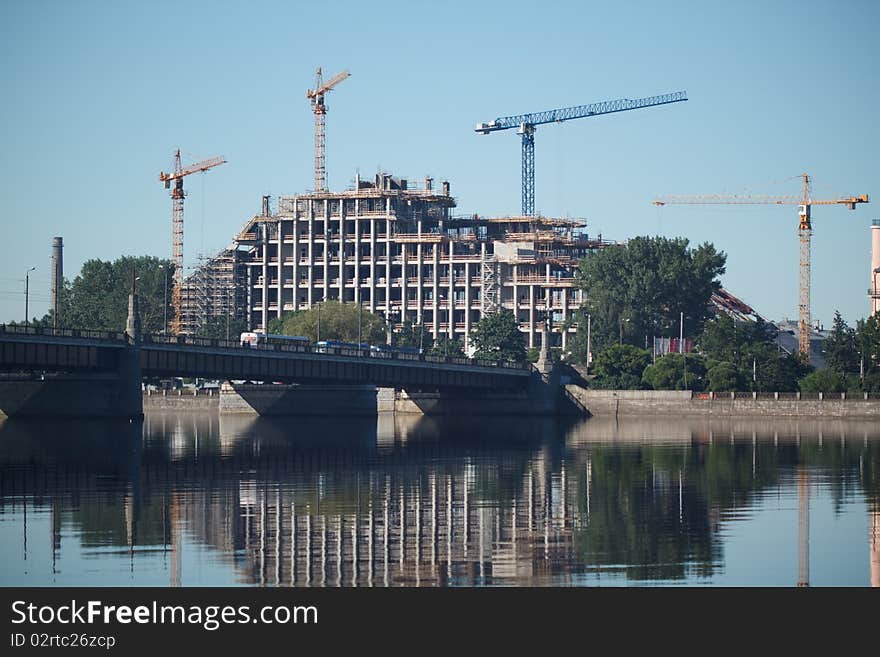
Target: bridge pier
(543, 396)
(111, 389)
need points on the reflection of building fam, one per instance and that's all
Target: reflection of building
(270, 506)
(395, 247)
(874, 542)
(415, 530)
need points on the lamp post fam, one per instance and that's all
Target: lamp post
(27, 276)
(318, 336)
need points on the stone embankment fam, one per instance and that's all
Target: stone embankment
(685, 402)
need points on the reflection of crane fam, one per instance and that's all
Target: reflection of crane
(525, 124)
(803, 527)
(805, 230)
(316, 95)
(177, 195)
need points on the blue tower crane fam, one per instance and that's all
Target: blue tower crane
(525, 124)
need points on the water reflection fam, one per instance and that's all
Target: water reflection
(201, 499)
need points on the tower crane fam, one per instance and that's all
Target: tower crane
(177, 195)
(526, 123)
(805, 231)
(316, 95)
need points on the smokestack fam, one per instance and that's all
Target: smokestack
(57, 277)
(875, 266)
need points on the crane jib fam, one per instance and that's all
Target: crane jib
(579, 111)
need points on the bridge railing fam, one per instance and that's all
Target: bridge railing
(294, 347)
(335, 351)
(90, 334)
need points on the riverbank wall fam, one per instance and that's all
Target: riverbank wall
(684, 402)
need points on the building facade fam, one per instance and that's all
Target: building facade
(397, 248)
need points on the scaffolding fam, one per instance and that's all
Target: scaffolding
(216, 289)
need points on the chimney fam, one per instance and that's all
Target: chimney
(57, 277)
(266, 212)
(429, 183)
(445, 187)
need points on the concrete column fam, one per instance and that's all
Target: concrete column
(341, 250)
(564, 317)
(311, 253)
(516, 292)
(419, 291)
(436, 281)
(295, 258)
(403, 286)
(467, 303)
(357, 253)
(388, 257)
(548, 309)
(531, 316)
(265, 274)
(372, 264)
(326, 250)
(250, 298)
(130, 401)
(280, 271)
(451, 291)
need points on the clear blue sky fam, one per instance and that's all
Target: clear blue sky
(97, 95)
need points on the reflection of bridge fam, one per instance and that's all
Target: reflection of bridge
(115, 360)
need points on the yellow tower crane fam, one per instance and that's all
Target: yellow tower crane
(805, 231)
(177, 196)
(316, 95)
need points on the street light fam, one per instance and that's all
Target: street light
(27, 276)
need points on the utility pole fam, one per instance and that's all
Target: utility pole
(589, 318)
(27, 277)
(681, 348)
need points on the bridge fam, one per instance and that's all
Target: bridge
(118, 363)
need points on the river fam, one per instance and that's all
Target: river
(195, 499)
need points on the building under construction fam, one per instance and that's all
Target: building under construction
(216, 289)
(397, 248)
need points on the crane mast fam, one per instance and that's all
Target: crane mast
(805, 232)
(316, 96)
(525, 127)
(177, 195)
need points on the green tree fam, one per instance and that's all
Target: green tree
(868, 342)
(216, 328)
(620, 367)
(676, 372)
(497, 337)
(412, 335)
(338, 321)
(750, 347)
(826, 380)
(98, 297)
(444, 346)
(639, 288)
(841, 347)
(724, 377)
